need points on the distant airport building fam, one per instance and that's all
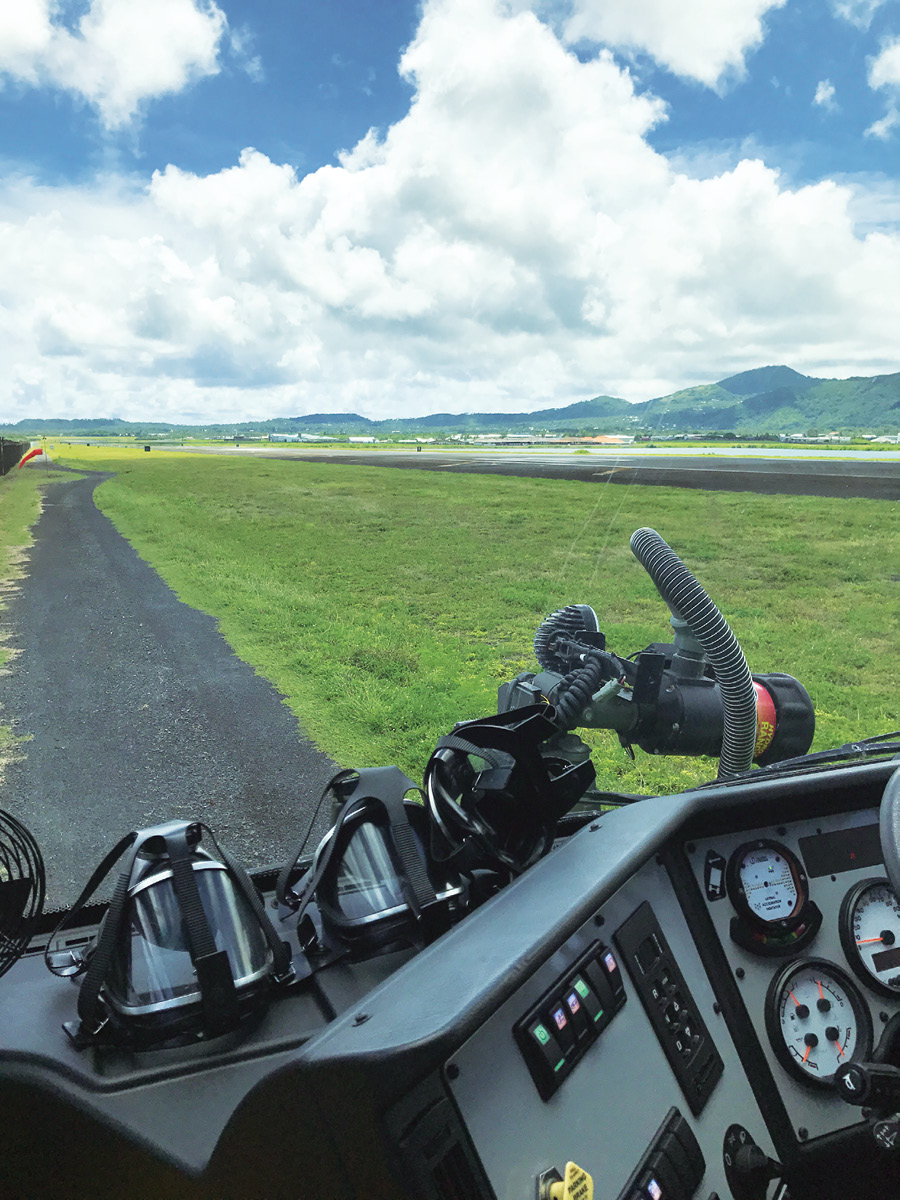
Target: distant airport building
(300, 437)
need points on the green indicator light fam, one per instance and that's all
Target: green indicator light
(582, 988)
(561, 1063)
(541, 1034)
(599, 1015)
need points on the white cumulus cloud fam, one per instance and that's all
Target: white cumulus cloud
(120, 54)
(884, 75)
(513, 242)
(824, 96)
(692, 38)
(857, 12)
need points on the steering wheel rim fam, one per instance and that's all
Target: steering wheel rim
(889, 830)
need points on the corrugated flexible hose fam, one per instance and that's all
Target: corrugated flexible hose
(688, 599)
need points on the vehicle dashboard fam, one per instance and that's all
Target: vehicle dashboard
(632, 946)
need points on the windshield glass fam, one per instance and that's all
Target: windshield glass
(354, 344)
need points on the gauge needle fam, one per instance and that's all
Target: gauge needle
(806, 1055)
(865, 941)
(821, 993)
(794, 998)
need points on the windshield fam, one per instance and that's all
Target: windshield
(355, 343)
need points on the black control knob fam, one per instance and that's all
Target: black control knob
(748, 1168)
(874, 1084)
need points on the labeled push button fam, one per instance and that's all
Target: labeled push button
(578, 1017)
(592, 1006)
(562, 1025)
(545, 1047)
(610, 968)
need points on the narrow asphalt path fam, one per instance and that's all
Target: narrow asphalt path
(137, 710)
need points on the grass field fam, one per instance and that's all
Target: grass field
(385, 605)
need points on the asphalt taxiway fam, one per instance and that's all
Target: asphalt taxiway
(871, 475)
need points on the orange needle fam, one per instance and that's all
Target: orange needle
(821, 993)
(793, 997)
(865, 941)
(806, 1055)
(840, 1049)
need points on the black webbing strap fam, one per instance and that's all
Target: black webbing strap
(90, 1010)
(218, 995)
(89, 888)
(290, 900)
(493, 758)
(388, 786)
(281, 950)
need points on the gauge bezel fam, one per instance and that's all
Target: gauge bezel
(848, 941)
(738, 897)
(779, 1046)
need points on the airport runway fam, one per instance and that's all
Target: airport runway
(874, 476)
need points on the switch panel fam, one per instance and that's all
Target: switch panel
(557, 1031)
(669, 1005)
(672, 1166)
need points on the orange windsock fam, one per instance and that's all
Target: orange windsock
(30, 454)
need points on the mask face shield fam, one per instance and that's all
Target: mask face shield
(152, 970)
(362, 896)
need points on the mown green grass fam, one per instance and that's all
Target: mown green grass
(385, 605)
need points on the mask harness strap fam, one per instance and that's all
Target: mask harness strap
(281, 950)
(384, 788)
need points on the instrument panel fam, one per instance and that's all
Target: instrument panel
(810, 929)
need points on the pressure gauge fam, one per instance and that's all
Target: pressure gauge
(770, 893)
(869, 924)
(816, 1020)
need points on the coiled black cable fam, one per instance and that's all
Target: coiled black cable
(576, 691)
(22, 886)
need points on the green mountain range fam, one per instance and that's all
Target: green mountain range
(768, 400)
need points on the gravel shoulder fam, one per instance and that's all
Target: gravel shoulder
(135, 709)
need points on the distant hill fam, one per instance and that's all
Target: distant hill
(766, 379)
(771, 400)
(778, 400)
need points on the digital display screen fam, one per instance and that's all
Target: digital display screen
(842, 850)
(885, 959)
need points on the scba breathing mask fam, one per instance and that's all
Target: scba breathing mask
(185, 950)
(372, 885)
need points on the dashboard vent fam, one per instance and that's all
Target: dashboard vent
(438, 1161)
(453, 1177)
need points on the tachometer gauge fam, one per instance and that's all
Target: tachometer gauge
(870, 934)
(816, 1020)
(769, 890)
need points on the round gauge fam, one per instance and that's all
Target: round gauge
(817, 1020)
(767, 885)
(870, 934)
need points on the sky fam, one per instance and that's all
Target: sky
(229, 210)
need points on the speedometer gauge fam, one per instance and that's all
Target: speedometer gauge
(769, 891)
(870, 934)
(816, 1020)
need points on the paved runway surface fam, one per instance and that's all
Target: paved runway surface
(875, 478)
(138, 709)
